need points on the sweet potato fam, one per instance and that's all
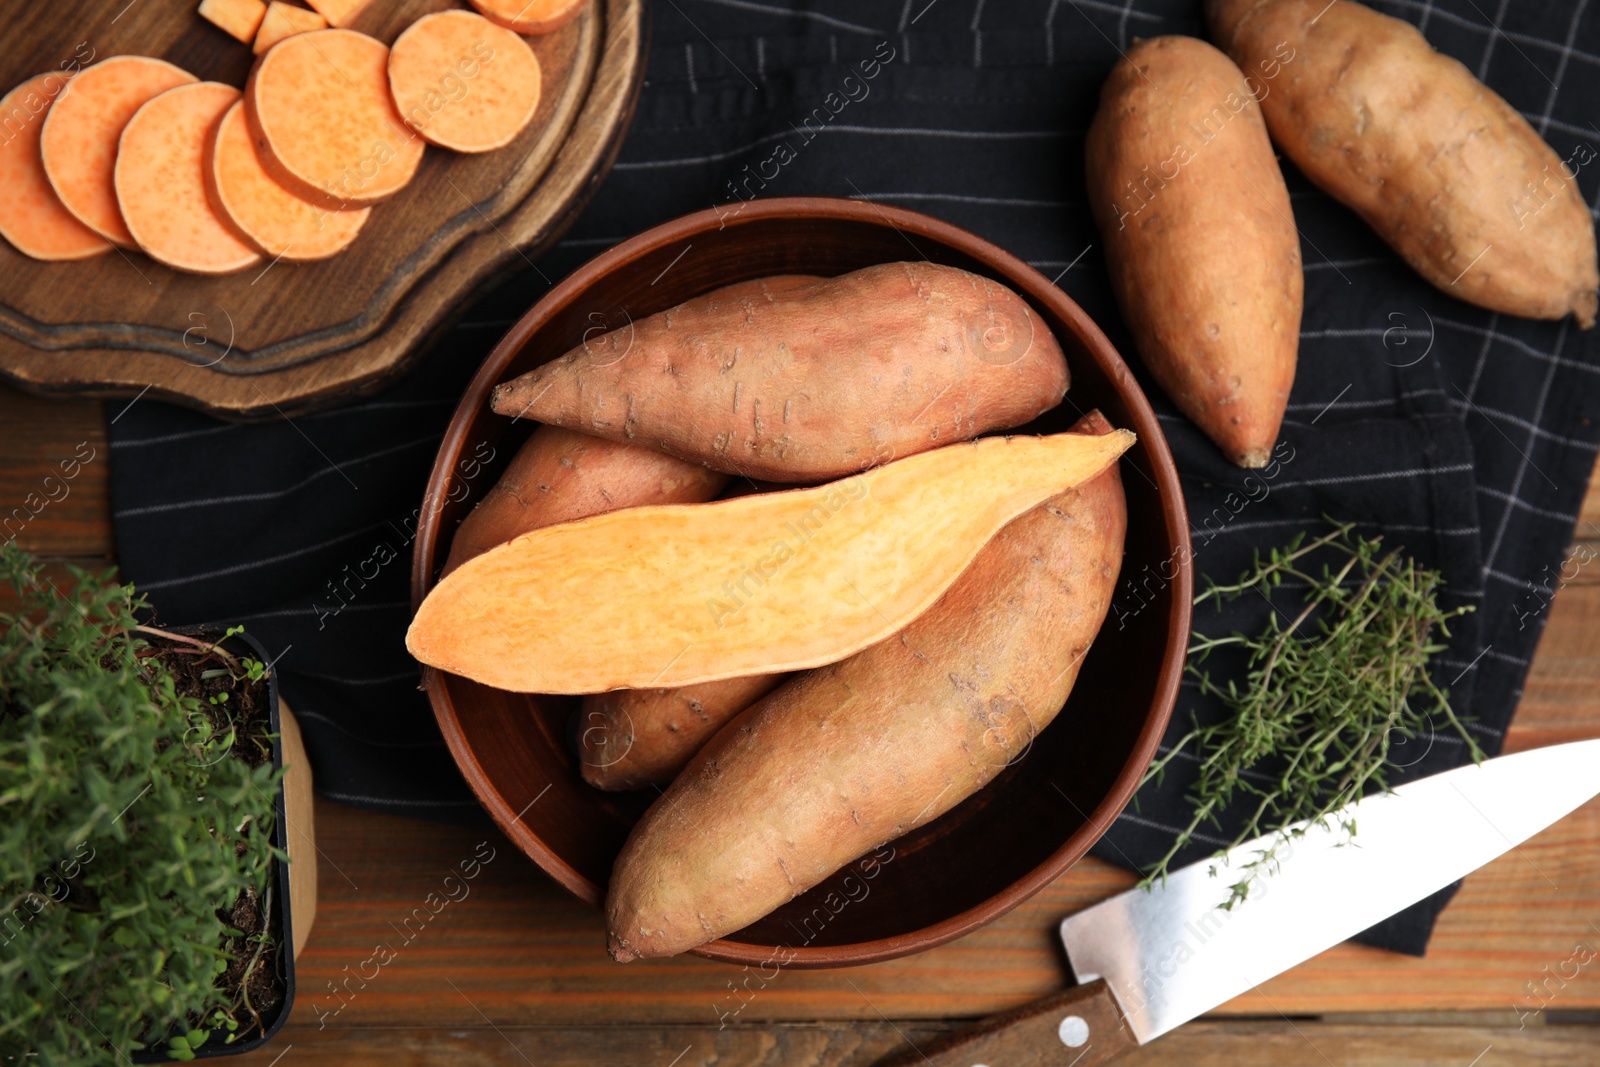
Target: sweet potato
(79, 141)
(560, 476)
(1445, 171)
(530, 16)
(265, 215)
(32, 216)
(161, 185)
(239, 19)
(339, 13)
(633, 738)
(1199, 238)
(660, 597)
(284, 20)
(811, 383)
(844, 758)
(324, 124)
(462, 82)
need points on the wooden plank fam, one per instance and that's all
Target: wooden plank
(54, 476)
(1282, 1043)
(524, 952)
(65, 520)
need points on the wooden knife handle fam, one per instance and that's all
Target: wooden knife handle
(1082, 1027)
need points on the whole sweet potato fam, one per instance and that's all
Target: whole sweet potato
(843, 758)
(808, 383)
(560, 476)
(1441, 167)
(632, 738)
(1200, 238)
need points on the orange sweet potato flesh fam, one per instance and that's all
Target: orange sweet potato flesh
(661, 597)
(810, 383)
(284, 20)
(161, 186)
(339, 12)
(32, 216)
(266, 215)
(79, 141)
(239, 19)
(324, 123)
(530, 16)
(1199, 238)
(1442, 168)
(462, 82)
(560, 475)
(844, 758)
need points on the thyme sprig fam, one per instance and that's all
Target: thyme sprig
(1326, 693)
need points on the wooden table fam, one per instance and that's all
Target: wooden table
(515, 973)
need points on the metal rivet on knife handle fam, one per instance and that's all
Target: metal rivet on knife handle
(1082, 1027)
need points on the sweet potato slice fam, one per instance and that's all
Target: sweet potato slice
(79, 141)
(842, 759)
(324, 124)
(239, 19)
(263, 213)
(666, 596)
(463, 82)
(809, 383)
(530, 16)
(32, 216)
(161, 185)
(339, 12)
(285, 20)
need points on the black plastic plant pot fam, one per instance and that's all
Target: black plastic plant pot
(215, 1044)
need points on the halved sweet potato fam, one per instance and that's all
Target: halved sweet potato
(667, 596)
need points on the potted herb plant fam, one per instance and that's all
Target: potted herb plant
(144, 908)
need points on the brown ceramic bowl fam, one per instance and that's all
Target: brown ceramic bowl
(991, 852)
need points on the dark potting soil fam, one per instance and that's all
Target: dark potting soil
(253, 965)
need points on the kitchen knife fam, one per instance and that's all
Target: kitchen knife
(1151, 960)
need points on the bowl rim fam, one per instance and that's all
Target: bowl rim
(1032, 285)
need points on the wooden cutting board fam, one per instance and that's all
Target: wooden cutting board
(286, 337)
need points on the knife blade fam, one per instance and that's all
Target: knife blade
(1151, 960)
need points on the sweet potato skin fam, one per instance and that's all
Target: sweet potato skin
(1442, 168)
(1199, 238)
(844, 758)
(809, 383)
(632, 738)
(559, 475)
